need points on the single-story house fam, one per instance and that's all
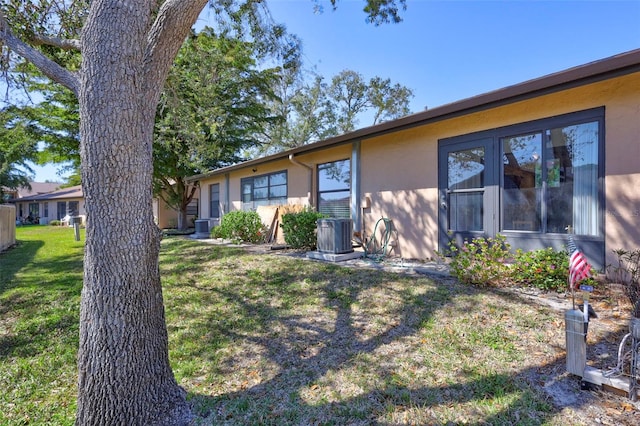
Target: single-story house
(532, 162)
(55, 205)
(35, 188)
(44, 207)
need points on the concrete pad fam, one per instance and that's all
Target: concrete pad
(200, 236)
(332, 257)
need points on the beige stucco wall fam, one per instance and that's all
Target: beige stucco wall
(300, 180)
(400, 169)
(7, 226)
(165, 216)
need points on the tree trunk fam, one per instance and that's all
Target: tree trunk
(123, 364)
(182, 218)
(184, 200)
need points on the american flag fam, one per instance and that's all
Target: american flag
(579, 267)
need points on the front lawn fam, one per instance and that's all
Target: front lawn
(272, 339)
(40, 283)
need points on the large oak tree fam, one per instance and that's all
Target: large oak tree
(214, 102)
(127, 48)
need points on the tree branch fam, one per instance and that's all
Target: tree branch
(62, 43)
(164, 40)
(48, 67)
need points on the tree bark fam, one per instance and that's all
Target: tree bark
(123, 363)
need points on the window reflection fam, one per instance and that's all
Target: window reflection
(466, 178)
(466, 212)
(521, 199)
(572, 179)
(334, 188)
(557, 168)
(466, 169)
(269, 189)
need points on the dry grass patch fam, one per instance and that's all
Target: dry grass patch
(266, 339)
(271, 339)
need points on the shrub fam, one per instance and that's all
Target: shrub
(54, 223)
(481, 261)
(484, 261)
(546, 269)
(300, 229)
(627, 273)
(241, 226)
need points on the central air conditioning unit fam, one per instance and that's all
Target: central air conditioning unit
(334, 236)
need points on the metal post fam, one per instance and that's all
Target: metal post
(576, 342)
(634, 382)
(76, 230)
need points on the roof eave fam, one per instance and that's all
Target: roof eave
(618, 65)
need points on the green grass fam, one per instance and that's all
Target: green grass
(270, 339)
(40, 283)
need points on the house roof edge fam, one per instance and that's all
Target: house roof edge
(613, 66)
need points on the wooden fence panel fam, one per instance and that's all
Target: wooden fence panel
(7, 226)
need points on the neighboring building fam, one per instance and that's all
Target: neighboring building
(37, 188)
(56, 205)
(167, 217)
(528, 161)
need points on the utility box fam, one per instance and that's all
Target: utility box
(334, 236)
(576, 337)
(202, 229)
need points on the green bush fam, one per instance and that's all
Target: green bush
(481, 261)
(546, 269)
(54, 222)
(485, 261)
(241, 226)
(300, 229)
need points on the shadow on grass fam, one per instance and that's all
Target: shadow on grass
(264, 323)
(182, 255)
(301, 324)
(14, 259)
(39, 295)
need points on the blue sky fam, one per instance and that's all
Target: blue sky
(446, 51)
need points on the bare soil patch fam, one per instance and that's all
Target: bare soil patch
(576, 404)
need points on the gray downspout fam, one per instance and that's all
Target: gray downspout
(227, 198)
(356, 212)
(310, 184)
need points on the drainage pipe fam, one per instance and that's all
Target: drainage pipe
(308, 167)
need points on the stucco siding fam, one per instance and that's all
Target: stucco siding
(399, 166)
(622, 166)
(411, 213)
(400, 179)
(622, 214)
(400, 169)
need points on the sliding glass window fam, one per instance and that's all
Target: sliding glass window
(550, 180)
(522, 190)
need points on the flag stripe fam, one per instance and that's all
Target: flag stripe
(579, 268)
